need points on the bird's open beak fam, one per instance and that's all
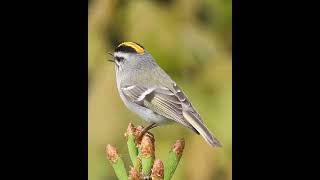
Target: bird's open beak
(110, 53)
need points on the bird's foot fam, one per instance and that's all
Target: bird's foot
(144, 131)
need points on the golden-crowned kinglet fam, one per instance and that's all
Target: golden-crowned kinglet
(149, 92)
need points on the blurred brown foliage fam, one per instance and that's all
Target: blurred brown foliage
(191, 40)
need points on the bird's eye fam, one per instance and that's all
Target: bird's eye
(119, 59)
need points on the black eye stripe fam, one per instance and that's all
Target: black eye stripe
(118, 58)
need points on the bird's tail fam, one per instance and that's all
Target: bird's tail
(201, 128)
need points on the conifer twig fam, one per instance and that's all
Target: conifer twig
(116, 162)
(157, 170)
(132, 147)
(147, 153)
(173, 159)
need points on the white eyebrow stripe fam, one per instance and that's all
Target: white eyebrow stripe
(121, 54)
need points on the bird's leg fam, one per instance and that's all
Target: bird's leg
(144, 130)
(153, 125)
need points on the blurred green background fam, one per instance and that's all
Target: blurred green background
(191, 40)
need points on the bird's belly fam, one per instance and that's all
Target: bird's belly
(146, 114)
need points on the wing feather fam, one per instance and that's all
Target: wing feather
(160, 100)
(172, 104)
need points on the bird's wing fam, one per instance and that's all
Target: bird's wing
(172, 104)
(193, 117)
(160, 100)
(183, 98)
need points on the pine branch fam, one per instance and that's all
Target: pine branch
(142, 155)
(116, 162)
(173, 159)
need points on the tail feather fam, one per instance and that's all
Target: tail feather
(201, 128)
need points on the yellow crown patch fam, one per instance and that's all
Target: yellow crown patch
(138, 48)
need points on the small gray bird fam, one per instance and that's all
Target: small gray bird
(149, 92)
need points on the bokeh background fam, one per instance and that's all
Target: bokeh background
(191, 40)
